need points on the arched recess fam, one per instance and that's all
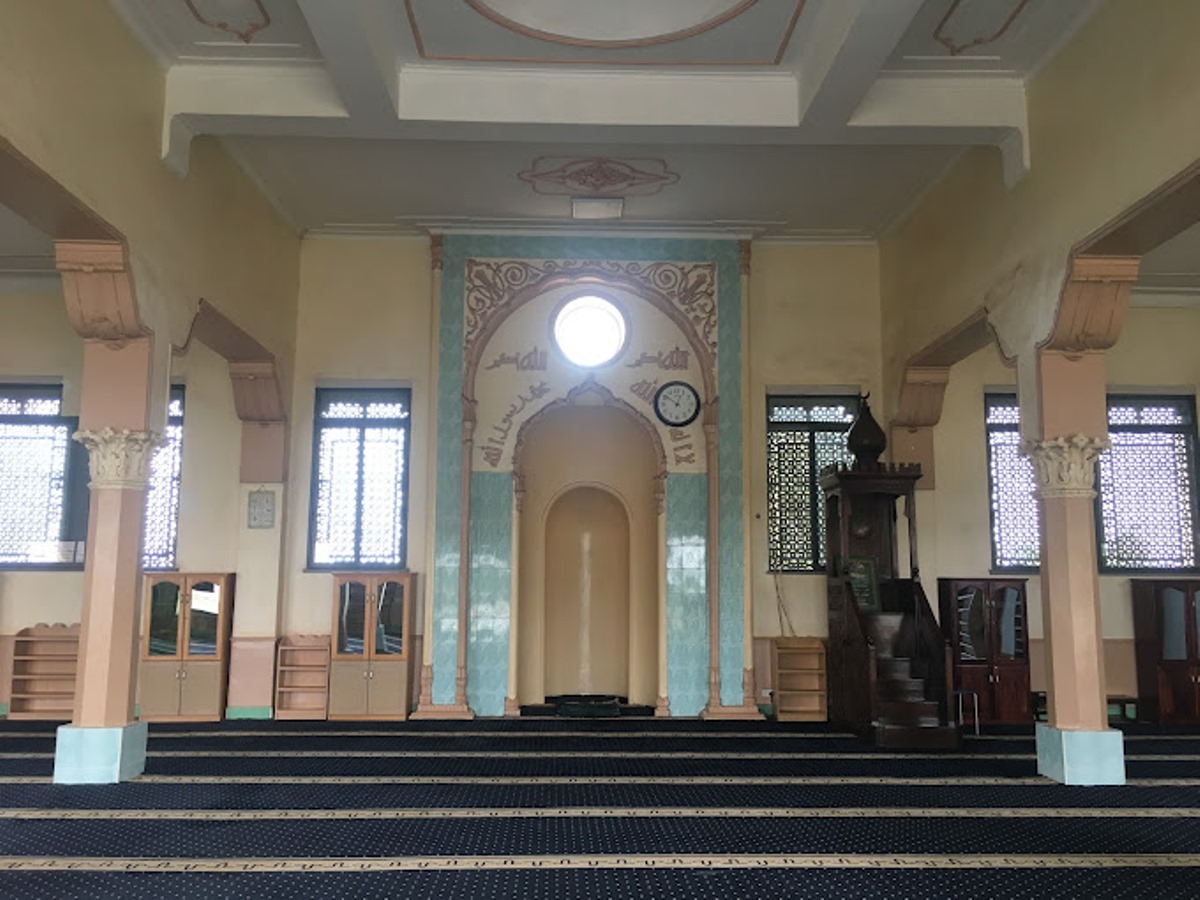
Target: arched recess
(588, 439)
(587, 588)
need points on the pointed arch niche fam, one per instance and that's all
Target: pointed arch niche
(588, 594)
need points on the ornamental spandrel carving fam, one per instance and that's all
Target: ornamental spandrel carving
(492, 286)
(1065, 466)
(118, 457)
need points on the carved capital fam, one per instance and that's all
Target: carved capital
(256, 393)
(426, 695)
(660, 491)
(1065, 466)
(744, 257)
(435, 252)
(98, 290)
(118, 458)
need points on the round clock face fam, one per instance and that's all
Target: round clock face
(677, 404)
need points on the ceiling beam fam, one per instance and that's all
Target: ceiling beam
(844, 50)
(955, 106)
(358, 40)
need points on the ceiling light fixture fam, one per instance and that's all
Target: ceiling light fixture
(597, 207)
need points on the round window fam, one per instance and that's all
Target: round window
(590, 331)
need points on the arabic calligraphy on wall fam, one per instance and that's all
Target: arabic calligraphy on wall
(667, 360)
(534, 360)
(494, 444)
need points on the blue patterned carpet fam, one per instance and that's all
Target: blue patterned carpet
(592, 809)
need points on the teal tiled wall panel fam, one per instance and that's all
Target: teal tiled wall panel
(687, 596)
(491, 588)
(730, 552)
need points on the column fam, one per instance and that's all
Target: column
(1064, 419)
(124, 378)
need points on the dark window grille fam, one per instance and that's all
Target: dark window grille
(1146, 486)
(360, 479)
(805, 434)
(40, 470)
(161, 529)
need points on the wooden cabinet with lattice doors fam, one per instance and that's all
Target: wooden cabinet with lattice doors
(185, 646)
(372, 630)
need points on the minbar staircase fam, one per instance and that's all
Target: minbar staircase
(903, 714)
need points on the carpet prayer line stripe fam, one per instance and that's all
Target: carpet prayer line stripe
(706, 735)
(590, 812)
(534, 781)
(624, 861)
(565, 754)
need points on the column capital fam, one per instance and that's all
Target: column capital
(1065, 466)
(118, 457)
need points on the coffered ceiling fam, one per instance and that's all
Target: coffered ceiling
(787, 118)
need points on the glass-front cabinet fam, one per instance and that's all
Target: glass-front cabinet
(984, 620)
(185, 646)
(370, 659)
(1166, 619)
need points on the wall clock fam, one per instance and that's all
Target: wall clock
(676, 404)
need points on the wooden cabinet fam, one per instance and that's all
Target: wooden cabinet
(1165, 618)
(372, 630)
(800, 691)
(302, 678)
(985, 621)
(185, 647)
(43, 672)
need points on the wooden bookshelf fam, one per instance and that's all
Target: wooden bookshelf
(43, 672)
(800, 689)
(302, 677)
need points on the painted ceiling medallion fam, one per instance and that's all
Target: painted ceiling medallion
(241, 18)
(610, 23)
(976, 23)
(598, 176)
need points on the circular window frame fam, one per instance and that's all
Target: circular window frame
(605, 297)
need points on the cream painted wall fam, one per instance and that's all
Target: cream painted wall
(36, 342)
(365, 318)
(1155, 351)
(1111, 118)
(212, 439)
(83, 100)
(814, 324)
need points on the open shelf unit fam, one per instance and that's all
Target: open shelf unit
(43, 673)
(800, 690)
(302, 677)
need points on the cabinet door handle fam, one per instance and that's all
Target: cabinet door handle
(370, 673)
(183, 673)
(364, 673)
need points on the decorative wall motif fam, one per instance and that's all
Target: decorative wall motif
(493, 444)
(495, 285)
(255, 18)
(976, 35)
(118, 457)
(598, 176)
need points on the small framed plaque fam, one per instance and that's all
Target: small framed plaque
(261, 510)
(860, 570)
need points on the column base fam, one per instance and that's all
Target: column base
(99, 755)
(511, 706)
(442, 711)
(662, 709)
(732, 713)
(1081, 757)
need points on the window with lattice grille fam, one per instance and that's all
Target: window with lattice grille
(360, 478)
(805, 433)
(161, 528)
(43, 477)
(1145, 484)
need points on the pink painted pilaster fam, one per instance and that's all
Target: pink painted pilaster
(106, 677)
